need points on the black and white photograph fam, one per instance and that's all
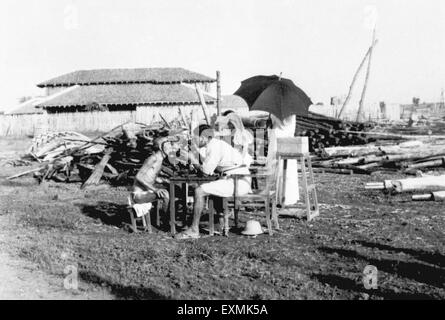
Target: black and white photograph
(246, 151)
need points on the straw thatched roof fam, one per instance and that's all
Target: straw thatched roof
(127, 76)
(27, 107)
(233, 102)
(126, 94)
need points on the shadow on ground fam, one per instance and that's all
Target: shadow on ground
(121, 291)
(344, 283)
(432, 275)
(113, 214)
(422, 273)
(108, 213)
(429, 257)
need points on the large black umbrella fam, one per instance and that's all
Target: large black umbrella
(275, 95)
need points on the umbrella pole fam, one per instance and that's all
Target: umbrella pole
(218, 93)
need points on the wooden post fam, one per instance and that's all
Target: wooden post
(362, 98)
(203, 104)
(218, 93)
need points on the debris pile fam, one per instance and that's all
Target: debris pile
(115, 157)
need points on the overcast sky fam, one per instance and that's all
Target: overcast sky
(317, 44)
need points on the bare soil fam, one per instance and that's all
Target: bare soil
(53, 225)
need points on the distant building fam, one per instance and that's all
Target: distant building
(425, 109)
(125, 90)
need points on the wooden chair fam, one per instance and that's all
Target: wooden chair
(260, 198)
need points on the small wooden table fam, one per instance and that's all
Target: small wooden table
(184, 182)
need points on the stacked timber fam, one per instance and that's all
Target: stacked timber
(407, 157)
(324, 132)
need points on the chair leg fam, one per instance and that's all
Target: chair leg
(133, 220)
(211, 217)
(147, 219)
(158, 216)
(267, 209)
(226, 218)
(221, 224)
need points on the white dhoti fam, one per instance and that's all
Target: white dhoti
(226, 187)
(290, 195)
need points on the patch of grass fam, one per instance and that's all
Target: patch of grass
(46, 220)
(289, 265)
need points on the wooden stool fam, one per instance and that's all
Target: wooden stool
(310, 193)
(146, 219)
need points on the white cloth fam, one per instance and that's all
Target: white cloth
(283, 129)
(225, 187)
(141, 209)
(221, 156)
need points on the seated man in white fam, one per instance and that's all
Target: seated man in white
(220, 157)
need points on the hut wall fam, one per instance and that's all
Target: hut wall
(147, 114)
(33, 124)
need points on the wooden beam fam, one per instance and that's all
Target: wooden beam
(203, 104)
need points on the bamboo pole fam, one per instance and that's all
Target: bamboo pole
(25, 173)
(218, 93)
(354, 79)
(365, 86)
(165, 121)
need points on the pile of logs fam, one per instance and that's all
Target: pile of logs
(407, 157)
(324, 132)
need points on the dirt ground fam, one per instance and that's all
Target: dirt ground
(45, 228)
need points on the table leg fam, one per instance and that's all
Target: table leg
(235, 201)
(172, 209)
(185, 190)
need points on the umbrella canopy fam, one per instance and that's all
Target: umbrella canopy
(275, 95)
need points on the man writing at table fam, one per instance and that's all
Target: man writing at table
(219, 157)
